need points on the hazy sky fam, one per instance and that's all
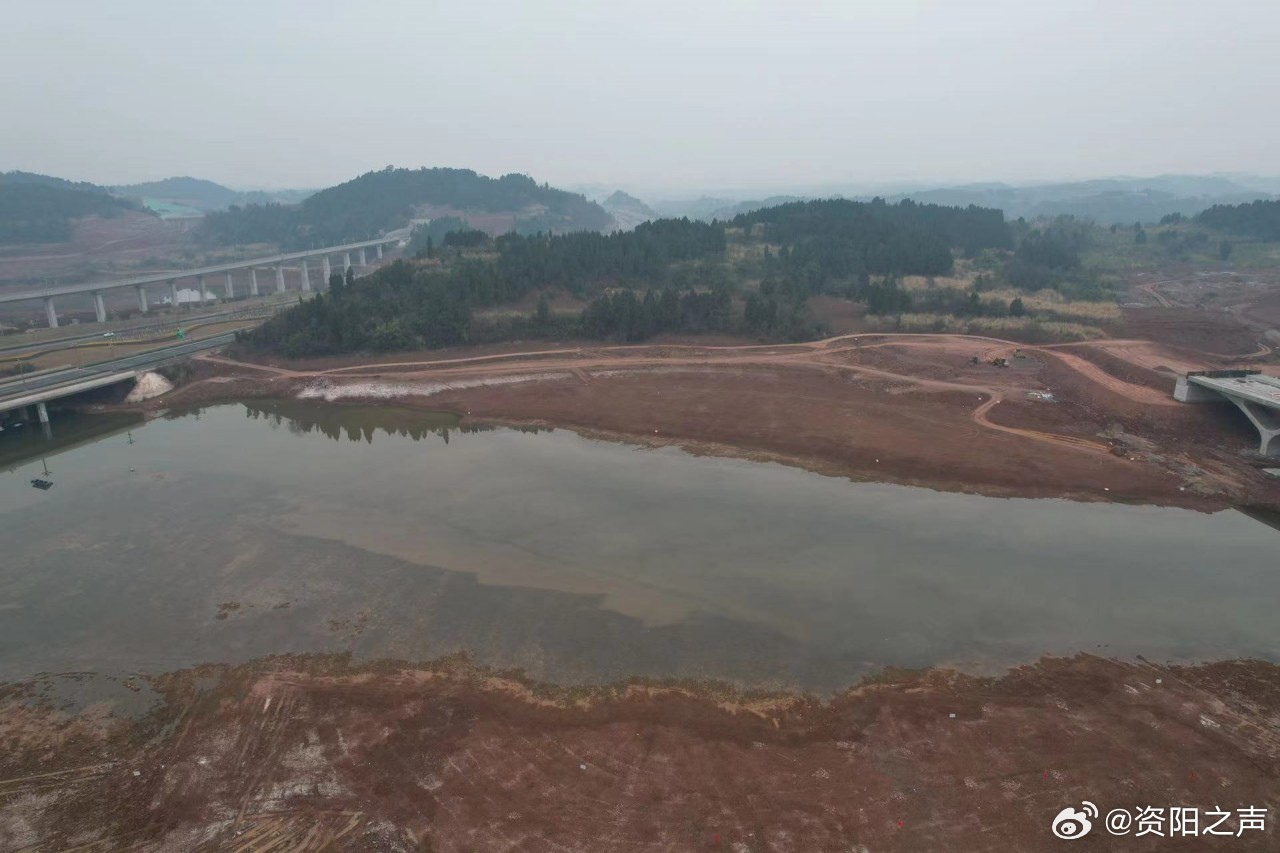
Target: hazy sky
(655, 95)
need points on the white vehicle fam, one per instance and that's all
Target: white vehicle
(108, 334)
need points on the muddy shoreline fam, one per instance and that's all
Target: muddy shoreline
(314, 752)
(832, 418)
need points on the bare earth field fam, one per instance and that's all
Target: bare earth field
(309, 754)
(98, 245)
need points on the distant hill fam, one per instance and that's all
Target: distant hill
(627, 210)
(708, 208)
(698, 208)
(40, 208)
(377, 202)
(201, 196)
(19, 178)
(730, 211)
(190, 192)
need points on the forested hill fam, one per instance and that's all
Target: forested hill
(40, 209)
(883, 238)
(381, 201)
(1259, 219)
(195, 192)
(668, 275)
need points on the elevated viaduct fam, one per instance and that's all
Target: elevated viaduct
(276, 263)
(1253, 392)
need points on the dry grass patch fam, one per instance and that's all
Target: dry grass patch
(1029, 329)
(1050, 304)
(922, 282)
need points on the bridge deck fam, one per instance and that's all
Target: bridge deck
(62, 382)
(1256, 388)
(158, 278)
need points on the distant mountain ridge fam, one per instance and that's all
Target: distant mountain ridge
(627, 210)
(1106, 201)
(204, 196)
(1121, 200)
(377, 202)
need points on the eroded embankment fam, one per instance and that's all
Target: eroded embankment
(313, 753)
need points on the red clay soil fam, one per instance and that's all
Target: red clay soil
(1194, 328)
(831, 423)
(1266, 309)
(307, 754)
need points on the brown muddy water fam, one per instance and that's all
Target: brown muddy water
(242, 530)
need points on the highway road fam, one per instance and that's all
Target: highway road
(19, 391)
(128, 335)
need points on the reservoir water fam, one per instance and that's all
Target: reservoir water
(240, 530)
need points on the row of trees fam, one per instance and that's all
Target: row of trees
(404, 306)
(1259, 220)
(623, 315)
(836, 246)
(905, 235)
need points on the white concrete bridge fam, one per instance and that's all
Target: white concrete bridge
(1253, 392)
(250, 267)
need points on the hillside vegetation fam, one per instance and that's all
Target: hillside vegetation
(1259, 219)
(377, 202)
(751, 276)
(40, 209)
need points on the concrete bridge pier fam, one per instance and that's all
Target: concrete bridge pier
(204, 290)
(363, 261)
(279, 279)
(1267, 422)
(346, 262)
(42, 412)
(50, 314)
(253, 281)
(306, 277)
(173, 293)
(325, 272)
(231, 288)
(142, 299)
(1251, 391)
(379, 251)
(99, 306)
